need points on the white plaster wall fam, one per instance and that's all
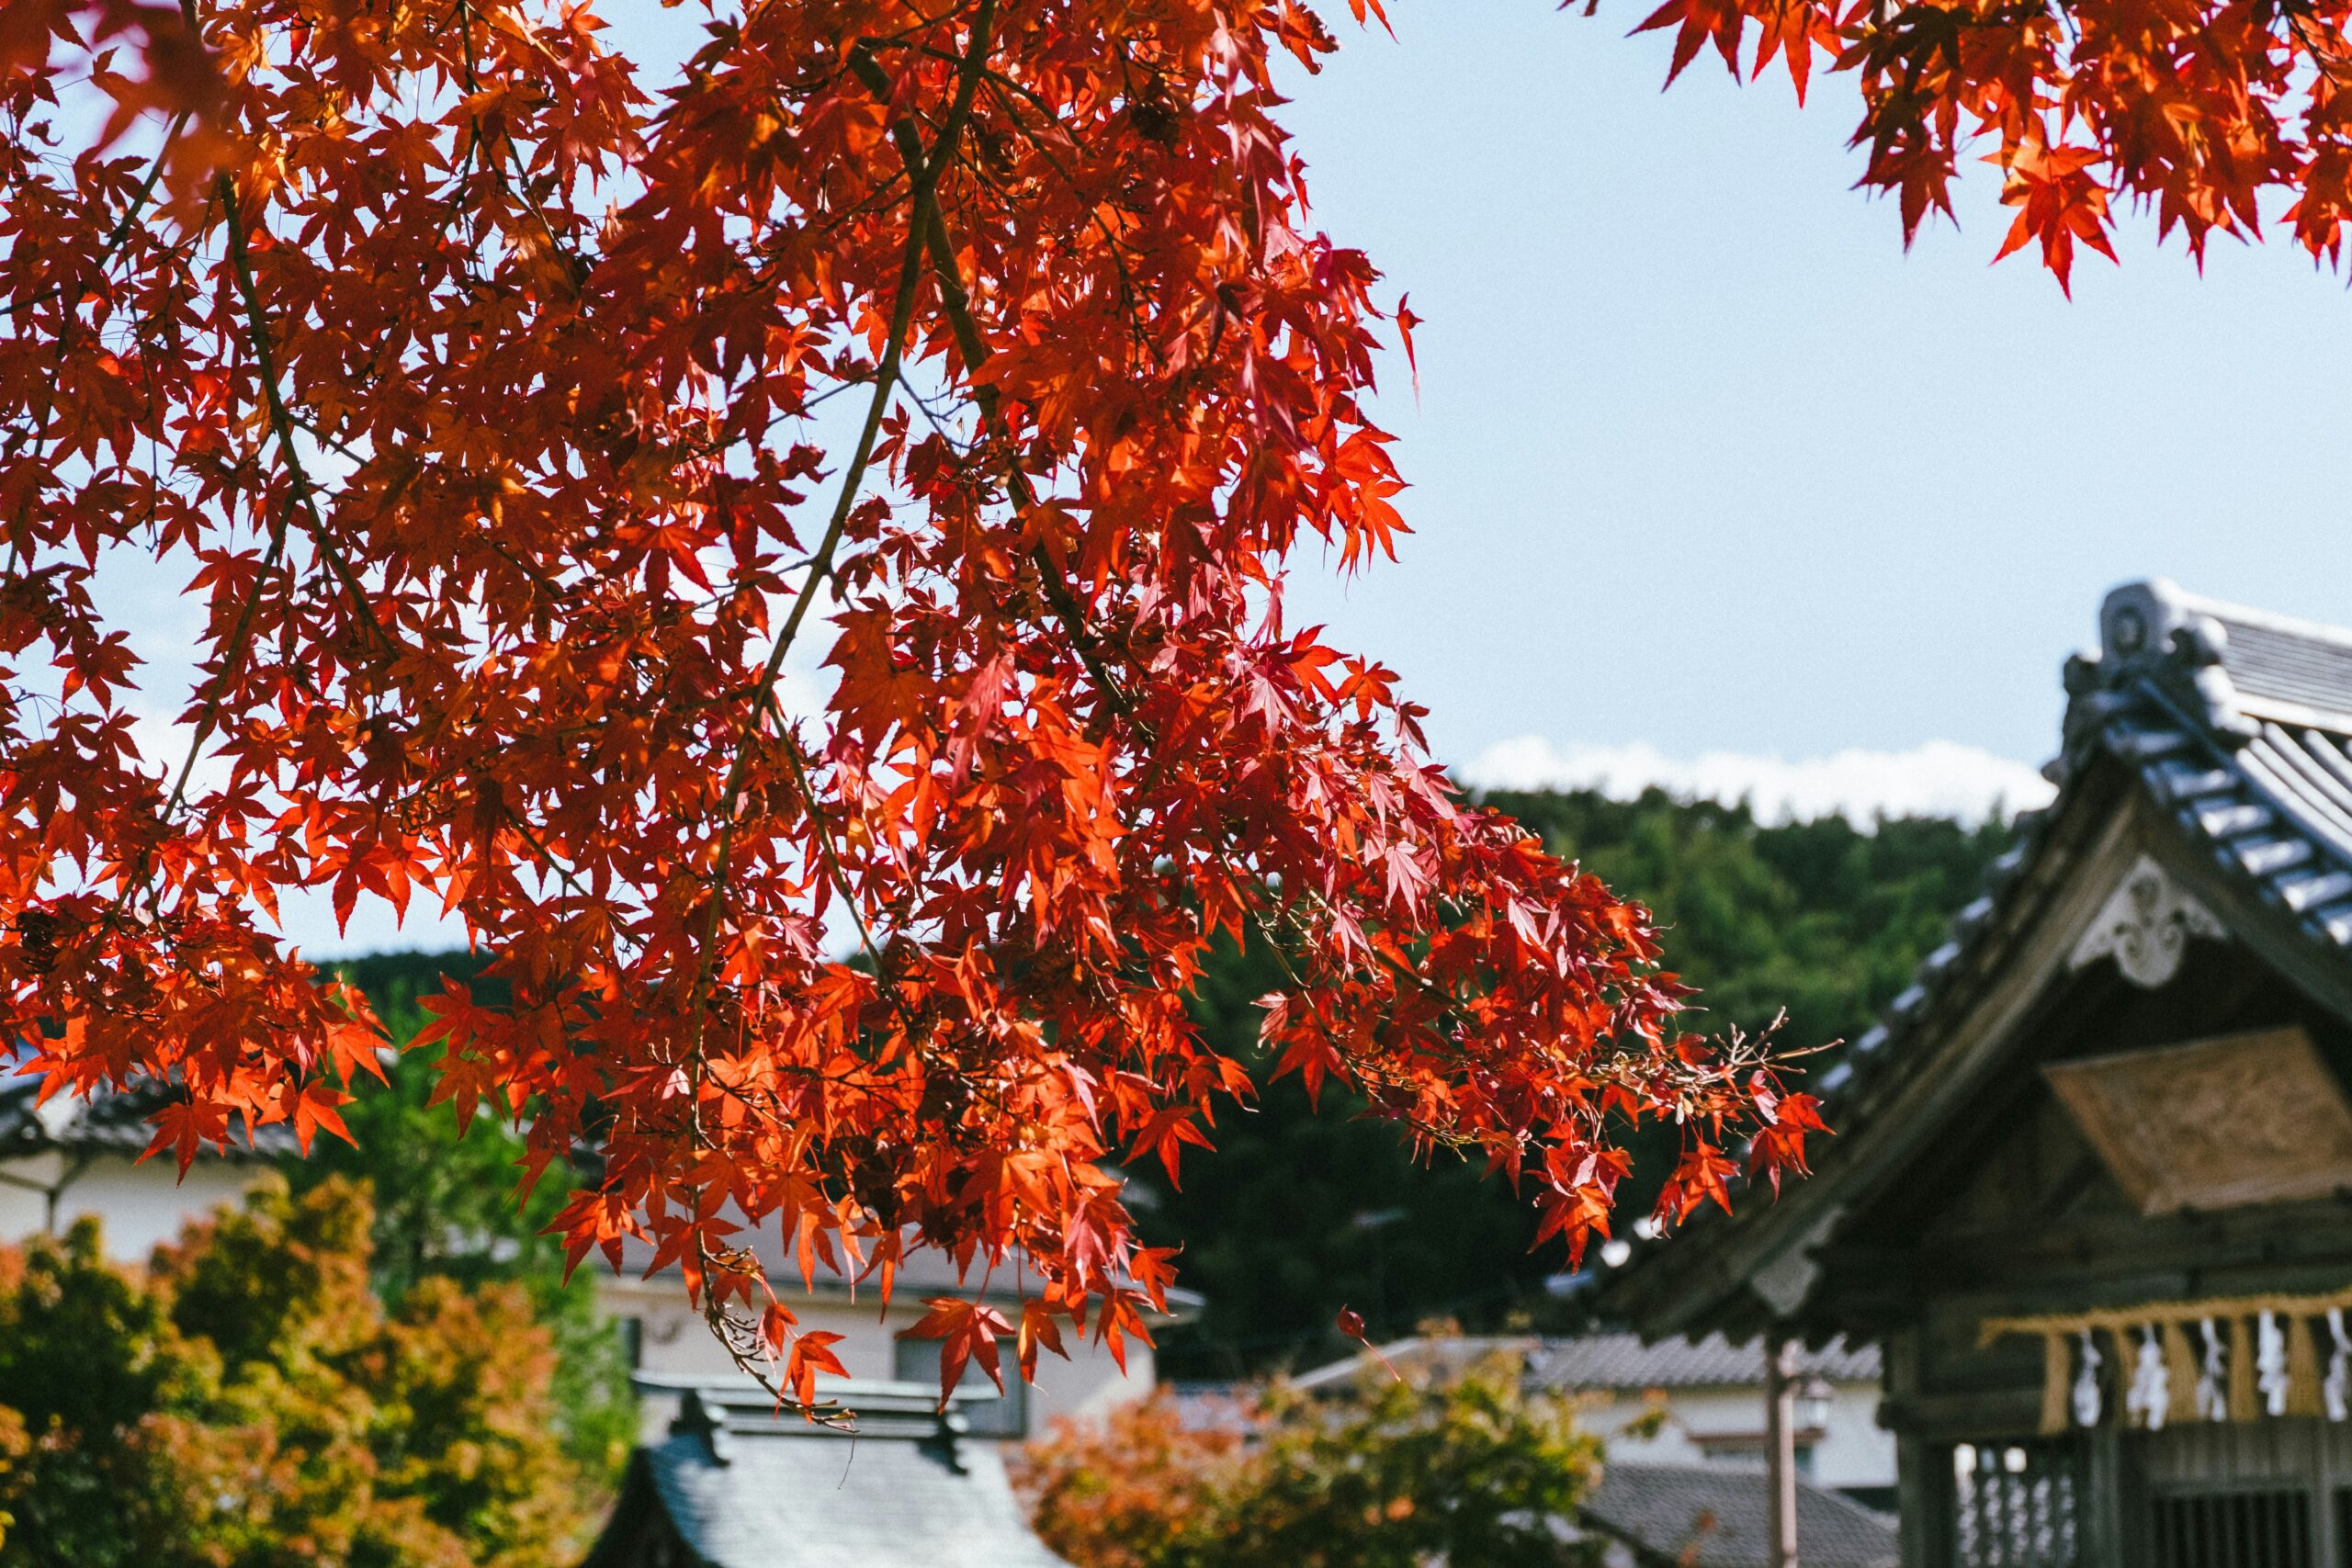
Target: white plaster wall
(674, 1339)
(24, 1211)
(1853, 1449)
(136, 1205)
(142, 1205)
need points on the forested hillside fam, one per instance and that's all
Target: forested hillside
(1293, 1214)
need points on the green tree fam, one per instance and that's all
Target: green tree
(1293, 1215)
(248, 1402)
(1463, 1467)
(446, 1206)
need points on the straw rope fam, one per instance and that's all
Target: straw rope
(2278, 1369)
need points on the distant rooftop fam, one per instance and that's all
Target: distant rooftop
(1612, 1363)
(113, 1122)
(1711, 1516)
(1622, 1361)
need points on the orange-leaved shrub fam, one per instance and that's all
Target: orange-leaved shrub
(1462, 1465)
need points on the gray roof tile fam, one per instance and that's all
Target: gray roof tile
(1718, 1518)
(1622, 1361)
(1616, 1363)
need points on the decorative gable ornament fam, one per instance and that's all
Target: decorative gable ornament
(2145, 925)
(1785, 1282)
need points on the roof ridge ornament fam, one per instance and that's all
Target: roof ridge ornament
(705, 1420)
(2145, 925)
(2151, 631)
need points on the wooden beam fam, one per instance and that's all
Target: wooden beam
(1976, 1415)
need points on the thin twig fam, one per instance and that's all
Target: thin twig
(121, 229)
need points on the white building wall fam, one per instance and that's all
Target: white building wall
(1725, 1426)
(137, 1205)
(24, 1203)
(673, 1340)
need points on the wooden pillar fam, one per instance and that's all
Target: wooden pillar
(1781, 1445)
(1927, 1505)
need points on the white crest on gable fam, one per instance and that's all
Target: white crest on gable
(2145, 925)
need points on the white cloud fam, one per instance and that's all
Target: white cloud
(1940, 778)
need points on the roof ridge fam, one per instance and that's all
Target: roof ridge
(2228, 610)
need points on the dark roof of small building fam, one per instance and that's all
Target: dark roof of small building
(1613, 1361)
(114, 1123)
(2234, 726)
(1716, 1517)
(744, 1485)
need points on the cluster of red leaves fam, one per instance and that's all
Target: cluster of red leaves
(473, 395)
(2194, 107)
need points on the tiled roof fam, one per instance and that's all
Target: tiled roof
(1451, 1354)
(1622, 1361)
(1614, 1361)
(746, 1487)
(116, 1122)
(2236, 723)
(1719, 1518)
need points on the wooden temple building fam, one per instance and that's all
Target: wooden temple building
(2091, 1190)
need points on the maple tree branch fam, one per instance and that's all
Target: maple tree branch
(1128, 294)
(282, 420)
(122, 230)
(1051, 582)
(2331, 62)
(840, 876)
(302, 494)
(579, 264)
(240, 636)
(955, 305)
(37, 433)
(563, 872)
(239, 643)
(926, 172)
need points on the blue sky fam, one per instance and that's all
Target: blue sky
(1715, 484)
(1704, 460)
